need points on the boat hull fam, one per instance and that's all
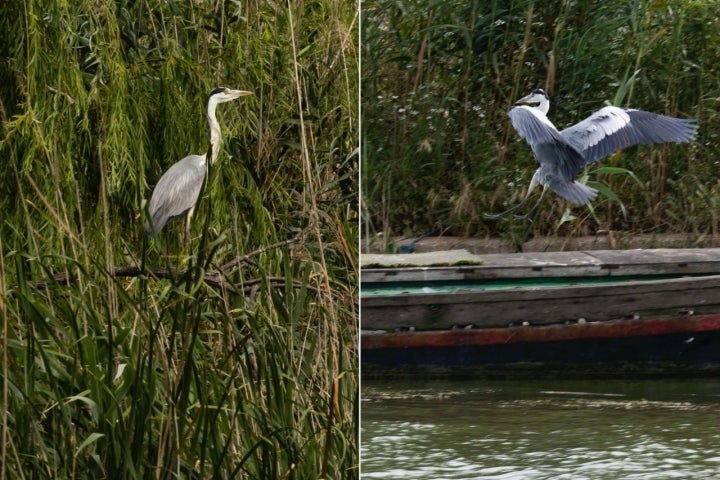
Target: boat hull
(678, 346)
(594, 313)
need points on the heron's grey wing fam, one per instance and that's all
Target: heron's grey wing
(549, 147)
(176, 192)
(612, 128)
(533, 126)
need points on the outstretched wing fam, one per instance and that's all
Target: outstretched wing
(612, 128)
(176, 192)
(534, 126)
(549, 146)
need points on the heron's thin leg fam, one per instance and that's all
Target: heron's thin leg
(515, 207)
(495, 216)
(167, 245)
(187, 224)
(532, 210)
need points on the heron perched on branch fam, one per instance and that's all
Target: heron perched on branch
(178, 189)
(561, 155)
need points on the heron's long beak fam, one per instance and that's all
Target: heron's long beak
(526, 100)
(240, 93)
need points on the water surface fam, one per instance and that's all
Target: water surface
(650, 429)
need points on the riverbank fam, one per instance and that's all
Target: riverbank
(608, 240)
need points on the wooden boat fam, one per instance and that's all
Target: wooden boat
(637, 312)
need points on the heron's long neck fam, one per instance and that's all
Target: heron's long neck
(544, 106)
(214, 132)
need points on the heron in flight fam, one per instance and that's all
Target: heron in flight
(177, 190)
(561, 155)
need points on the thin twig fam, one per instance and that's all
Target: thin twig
(244, 258)
(213, 279)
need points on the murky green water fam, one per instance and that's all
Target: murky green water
(541, 430)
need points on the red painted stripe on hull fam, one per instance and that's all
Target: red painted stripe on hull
(550, 333)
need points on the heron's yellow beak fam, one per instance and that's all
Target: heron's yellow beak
(240, 93)
(526, 100)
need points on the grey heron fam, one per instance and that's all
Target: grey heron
(178, 189)
(561, 155)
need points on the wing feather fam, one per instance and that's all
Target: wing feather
(533, 126)
(176, 192)
(612, 128)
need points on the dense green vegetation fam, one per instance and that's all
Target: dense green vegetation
(438, 78)
(231, 354)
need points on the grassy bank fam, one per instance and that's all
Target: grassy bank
(231, 354)
(439, 77)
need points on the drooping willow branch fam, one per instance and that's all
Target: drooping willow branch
(245, 258)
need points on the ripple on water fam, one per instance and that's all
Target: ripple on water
(506, 432)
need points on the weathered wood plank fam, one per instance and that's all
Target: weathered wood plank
(428, 259)
(560, 264)
(659, 261)
(526, 265)
(541, 305)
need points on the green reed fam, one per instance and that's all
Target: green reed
(231, 354)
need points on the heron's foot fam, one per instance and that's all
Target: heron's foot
(495, 216)
(528, 217)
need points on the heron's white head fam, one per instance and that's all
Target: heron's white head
(224, 94)
(537, 99)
